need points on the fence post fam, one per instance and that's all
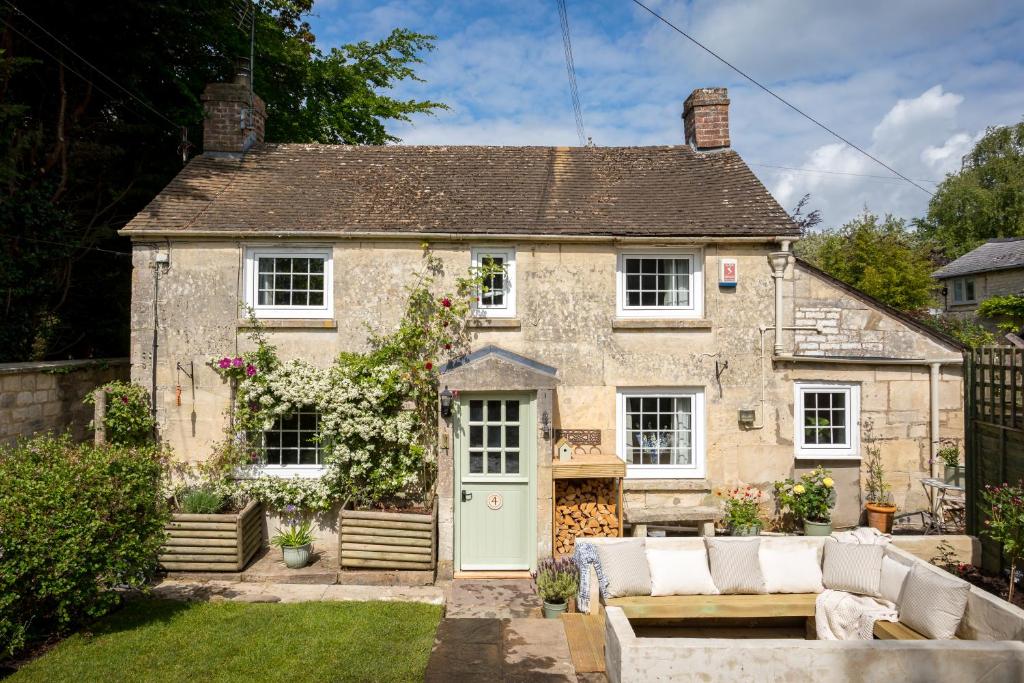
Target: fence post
(99, 416)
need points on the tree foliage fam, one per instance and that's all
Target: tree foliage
(882, 258)
(985, 199)
(79, 157)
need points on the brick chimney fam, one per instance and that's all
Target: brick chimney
(229, 125)
(706, 119)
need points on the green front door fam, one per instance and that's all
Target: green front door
(495, 495)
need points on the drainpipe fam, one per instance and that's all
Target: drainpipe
(779, 260)
(934, 370)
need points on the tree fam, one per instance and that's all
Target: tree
(79, 156)
(805, 221)
(985, 199)
(884, 259)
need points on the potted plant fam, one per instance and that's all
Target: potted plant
(878, 492)
(557, 581)
(810, 500)
(1005, 524)
(296, 541)
(949, 456)
(742, 509)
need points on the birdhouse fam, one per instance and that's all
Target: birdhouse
(564, 450)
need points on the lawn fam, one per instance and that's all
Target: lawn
(158, 640)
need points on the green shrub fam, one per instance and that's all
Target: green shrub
(128, 419)
(200, 502)
(76, 521)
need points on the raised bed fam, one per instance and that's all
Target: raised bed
(213, 543)
(388, 540)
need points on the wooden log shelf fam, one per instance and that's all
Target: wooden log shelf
(212, 543)
(587, 495)
(388, 540)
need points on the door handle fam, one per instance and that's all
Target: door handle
(466, 495)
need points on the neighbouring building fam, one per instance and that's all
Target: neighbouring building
(650, 296)
(996, 268)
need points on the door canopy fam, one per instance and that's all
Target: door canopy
(495, 369)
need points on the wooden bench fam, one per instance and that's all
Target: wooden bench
(702, 516)
(716, 606)
(893, 630)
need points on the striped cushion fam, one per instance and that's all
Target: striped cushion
(735, 565)
(624, 564)
(853, 567)
(933, 603)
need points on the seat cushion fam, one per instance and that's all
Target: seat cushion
(624, 565)
(932, 603)
(792, 569)
(853, 567)
(735, 566)
(680, 572)
(893, 575)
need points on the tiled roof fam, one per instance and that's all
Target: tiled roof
(997, 254)
(617, 191)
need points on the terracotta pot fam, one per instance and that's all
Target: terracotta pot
(880, 516)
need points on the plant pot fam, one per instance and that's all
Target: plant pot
(954, 474)
(553, 610)
(748, 530)
(296, 557)
(817, 528)
(880, 516)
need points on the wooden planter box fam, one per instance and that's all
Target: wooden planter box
(213, 543)
(388, 540)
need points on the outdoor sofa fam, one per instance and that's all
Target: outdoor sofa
(982, 638)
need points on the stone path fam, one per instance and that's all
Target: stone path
(218, 591)
(493, 632)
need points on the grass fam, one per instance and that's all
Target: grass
(159, 640)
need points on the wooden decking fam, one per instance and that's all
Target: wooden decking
(585, 633)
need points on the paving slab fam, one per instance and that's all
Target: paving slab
(536, 650)
(268, 566)
(492, 599)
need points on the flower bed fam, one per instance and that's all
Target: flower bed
(388, 540)
(213, 542)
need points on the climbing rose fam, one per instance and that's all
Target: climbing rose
(250, 369)
(428, 365)
(798, 489)
(827, 481)
(124, 400)
(237, 362)
(224, 363)
(446, 302)
(447, 347)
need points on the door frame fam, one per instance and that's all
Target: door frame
(530, 465)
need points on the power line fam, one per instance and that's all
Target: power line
(92, 66)
(831, 172)
(66, 244)
(570, 67)
(778, 97)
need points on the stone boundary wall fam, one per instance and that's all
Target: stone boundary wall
(47, 395)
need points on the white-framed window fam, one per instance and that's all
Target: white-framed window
(290, 446)
(963, 290)
(660, 284)
(497, 297)
(826, 420)
(661, 432)
(289, 282)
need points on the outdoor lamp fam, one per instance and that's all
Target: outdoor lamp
(446, 402)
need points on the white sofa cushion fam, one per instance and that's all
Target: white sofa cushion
(790, 568)
(893, 575)
(853, 567)
(933, 603)
(735, 566)
(680, 572)
(624, 565)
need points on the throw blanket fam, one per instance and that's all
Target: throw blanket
(839, 615)
(864, 535)
(584, 556)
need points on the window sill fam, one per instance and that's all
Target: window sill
(293, 472)
(494, 323)
(827, 456)
(291, 323)
(661, 324)
(666, 485)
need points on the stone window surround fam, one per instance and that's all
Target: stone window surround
(696, 308)
(255, 252)
(848, 451)
(960, 286)
(508, 309)
(699, 430)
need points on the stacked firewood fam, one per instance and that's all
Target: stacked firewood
(584, 507)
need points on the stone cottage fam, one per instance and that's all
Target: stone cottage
(996, 268)
(649, 296)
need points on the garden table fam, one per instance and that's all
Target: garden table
(940, 502)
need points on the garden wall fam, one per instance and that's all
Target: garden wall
(47, 396)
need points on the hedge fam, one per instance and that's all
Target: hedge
(76, 521)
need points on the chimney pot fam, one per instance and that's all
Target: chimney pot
(706, 119)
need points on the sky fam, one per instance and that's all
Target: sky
(914, 83)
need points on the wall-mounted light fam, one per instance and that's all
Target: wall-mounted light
(545, 424)
(446, 403)
(747, 417)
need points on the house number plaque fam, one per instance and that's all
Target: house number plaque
(494, 501)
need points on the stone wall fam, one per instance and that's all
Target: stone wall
(47, 396)
(986, 285)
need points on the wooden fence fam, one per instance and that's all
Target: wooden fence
(994, 421)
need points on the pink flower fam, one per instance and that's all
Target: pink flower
(447, 347)
(224, 363)
(428, 365)
(250, 369)
(446, 302)
(237, 362)
(124, 400)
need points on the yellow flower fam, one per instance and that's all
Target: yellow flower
(799, 488)
(827, 481)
